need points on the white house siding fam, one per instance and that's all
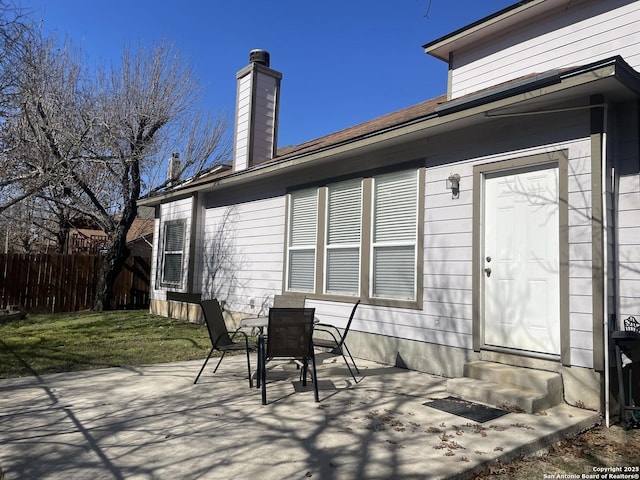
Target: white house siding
(243, 112)
(628, 206)
(178, 210)
(559, 41)
(629, 245)
(265, 118)
(447, 318)
(243, 254)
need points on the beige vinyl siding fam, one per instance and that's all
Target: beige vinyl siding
(247, 239)
(554, 43)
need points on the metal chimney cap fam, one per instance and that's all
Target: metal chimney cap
(259, 56)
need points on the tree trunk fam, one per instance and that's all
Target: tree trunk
(114, 260)
(62, 239)
(117, 250)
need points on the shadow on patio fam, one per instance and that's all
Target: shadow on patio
(153, 423)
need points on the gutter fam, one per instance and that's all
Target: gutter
(540, 81)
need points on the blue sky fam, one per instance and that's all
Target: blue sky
(343, 61)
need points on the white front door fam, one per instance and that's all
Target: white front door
(521, 260)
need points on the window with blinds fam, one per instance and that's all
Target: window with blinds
(303, 226)
(366, 244)
(394, 236)
(173, 253)
(344, 219)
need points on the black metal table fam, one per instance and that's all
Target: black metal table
(627, 342)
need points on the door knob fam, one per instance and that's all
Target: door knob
(487, 271)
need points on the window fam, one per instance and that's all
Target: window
(173, 253)
(303, 215)
(394, 239)
(344, 218)
(358, 238)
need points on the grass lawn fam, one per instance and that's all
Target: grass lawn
(66, 342)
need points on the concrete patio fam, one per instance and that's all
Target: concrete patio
(153, 423)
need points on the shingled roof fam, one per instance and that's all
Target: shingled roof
(345, 135)
(349, 134)
(425, 109)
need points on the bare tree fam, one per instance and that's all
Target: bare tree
(19, 233)
(14, 28)
(146, 107)
(42, 141)
(91, 144)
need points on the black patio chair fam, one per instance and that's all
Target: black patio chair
(289, 335)
(220, 338)
(289, 300)
(335, 342)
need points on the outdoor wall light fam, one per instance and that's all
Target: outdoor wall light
(453, 184)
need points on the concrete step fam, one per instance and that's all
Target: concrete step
(496, 384)
(541, 380)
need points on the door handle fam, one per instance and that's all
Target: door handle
(488, 271)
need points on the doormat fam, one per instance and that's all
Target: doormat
(322, 385)
(462, 408)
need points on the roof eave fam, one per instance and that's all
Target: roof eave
(447, 116)
(485, 27)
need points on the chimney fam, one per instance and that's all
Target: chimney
(257, 102)
(173, 169)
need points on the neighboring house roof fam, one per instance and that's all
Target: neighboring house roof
(553, 85)
(140, 228)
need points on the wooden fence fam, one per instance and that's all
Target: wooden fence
(48, 283)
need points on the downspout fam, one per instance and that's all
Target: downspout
(605, 262)
(599, 246)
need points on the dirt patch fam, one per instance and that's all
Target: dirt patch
(600, 452)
